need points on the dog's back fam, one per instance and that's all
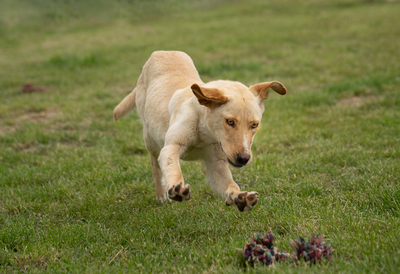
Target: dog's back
(163, 74)
(173, 68)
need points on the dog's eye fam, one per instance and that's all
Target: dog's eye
(254, 125)
(230, 122)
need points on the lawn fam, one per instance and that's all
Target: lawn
(76, 189)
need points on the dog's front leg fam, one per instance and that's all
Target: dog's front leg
(172, 174)
(220, 180)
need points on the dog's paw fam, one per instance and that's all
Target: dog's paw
(245, 201)
(179, 192)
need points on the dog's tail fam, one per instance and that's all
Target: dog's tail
(126, 105)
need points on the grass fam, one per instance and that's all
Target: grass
(76, 191)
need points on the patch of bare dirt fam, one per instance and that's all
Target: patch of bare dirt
(44, 116)
(4, 129)
(356, 101)
(351, 101)
(41, 116)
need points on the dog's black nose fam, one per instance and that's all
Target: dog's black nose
(242, 158)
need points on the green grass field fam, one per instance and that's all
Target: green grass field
(76, 190)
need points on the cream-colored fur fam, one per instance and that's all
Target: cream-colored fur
(184, 118)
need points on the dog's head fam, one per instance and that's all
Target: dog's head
(234, 113)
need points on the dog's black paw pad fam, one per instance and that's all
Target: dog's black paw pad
(245, 201)
(179, 192)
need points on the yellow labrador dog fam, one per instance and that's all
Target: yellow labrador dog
(184, 118)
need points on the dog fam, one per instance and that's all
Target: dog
(184, 118)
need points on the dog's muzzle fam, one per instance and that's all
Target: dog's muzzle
(233, 164)
(241, 159)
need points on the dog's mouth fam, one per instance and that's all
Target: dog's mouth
(234, 165)
(229, 161)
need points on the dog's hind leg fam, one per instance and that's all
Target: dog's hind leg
(161, 194)
(203, 165)
(154, 151)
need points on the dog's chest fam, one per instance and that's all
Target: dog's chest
(193, 153)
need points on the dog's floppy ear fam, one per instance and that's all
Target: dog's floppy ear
(209, 97)
(261, 90)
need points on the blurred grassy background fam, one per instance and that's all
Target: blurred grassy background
(76, 192)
